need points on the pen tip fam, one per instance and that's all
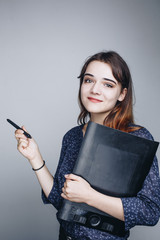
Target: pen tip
(8, 120)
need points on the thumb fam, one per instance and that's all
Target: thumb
(26, 133)
(72, 177)
(24, 129)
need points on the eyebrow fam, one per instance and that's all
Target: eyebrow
(107, 79)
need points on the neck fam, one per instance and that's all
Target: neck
(98, 118)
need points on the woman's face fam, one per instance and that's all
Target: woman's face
(100, 90)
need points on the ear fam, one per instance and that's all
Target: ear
(122, 95)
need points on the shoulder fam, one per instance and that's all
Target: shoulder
(73, 133)
(142, 132)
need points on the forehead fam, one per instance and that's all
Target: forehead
(100, 70)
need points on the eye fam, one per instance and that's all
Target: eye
(108, 85)
(87, 80)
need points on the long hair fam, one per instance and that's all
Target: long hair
(121, 116)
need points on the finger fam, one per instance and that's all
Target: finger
(67, 182)
(22, 146)
(72, 177)
(64, 191)
(19, 131)
(23, 140)
(23, 143)
(20, 136)
(28, 136)
(24, 129)
(64, 196)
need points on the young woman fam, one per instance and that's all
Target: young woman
(105, 97)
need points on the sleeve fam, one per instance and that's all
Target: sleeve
(144, 209)
(54, 197)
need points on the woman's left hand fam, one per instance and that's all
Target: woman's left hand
(76, 189)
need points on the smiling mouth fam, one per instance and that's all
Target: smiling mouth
(95, 100)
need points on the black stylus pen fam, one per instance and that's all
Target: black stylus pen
(17, 127)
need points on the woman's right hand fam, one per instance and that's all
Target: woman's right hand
(29, 149)
(27, 146)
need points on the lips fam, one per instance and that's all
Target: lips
(94, 100)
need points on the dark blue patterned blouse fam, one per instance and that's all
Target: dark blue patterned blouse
(144, 209)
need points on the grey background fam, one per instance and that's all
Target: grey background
(43, 45)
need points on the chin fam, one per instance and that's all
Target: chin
(91, 111)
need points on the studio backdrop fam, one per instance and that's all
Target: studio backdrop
(43, 45)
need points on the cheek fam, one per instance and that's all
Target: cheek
(83, 91)
(83, 99)
(84, 94)
(111, 95)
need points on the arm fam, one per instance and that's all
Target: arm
(143, 209)
(29, 149)
(76, 189)
(111, 205)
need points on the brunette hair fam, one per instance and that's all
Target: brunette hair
(121, 116)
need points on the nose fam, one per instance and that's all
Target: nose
(96, 89)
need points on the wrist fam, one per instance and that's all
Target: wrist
(36, 162)
(37, 169)
(90, 196)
